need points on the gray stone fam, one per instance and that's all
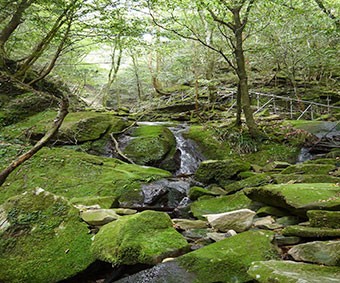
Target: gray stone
(221, 236)
(264, 221)
(327, 253)
(99, 217)
(238, 220)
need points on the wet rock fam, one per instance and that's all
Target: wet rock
(323, 218)
(165, 193)
(219, 204)
(229, 259)
(99, 217)
(238, 220)
(42, 239)
(326, 253)
(292, 272)
(168, 272)
(186, 224)
(146, 237)
(219, 171)
(298, 198)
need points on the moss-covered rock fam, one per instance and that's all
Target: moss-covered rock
(17, 108)
(298, 198)
(197, 192)
(310, 232)
(292, 272)
(147, 237)
(77, 128)
(303, 178)
(317, 169)
(323, 218)
(43, 240)
(212, 205)
(228, 260)
(219, 171)
(77, 175)
(153, 146)
(253, 181)
(271, 210)
(319, 252)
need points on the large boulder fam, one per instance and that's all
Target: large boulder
(146, 237)
(77, 128)
(219, 171)
(326, 253)
(293, 272)
(228, 260)
(153, 146)
(41, 239)
(298, 198)
(79, 175)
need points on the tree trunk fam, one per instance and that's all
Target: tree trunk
(238, 122)
(243, 89)
(138, 81)
(63, 111)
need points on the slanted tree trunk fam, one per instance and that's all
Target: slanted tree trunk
(138, 81)
(63, 111)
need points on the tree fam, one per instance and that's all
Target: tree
(230, 19)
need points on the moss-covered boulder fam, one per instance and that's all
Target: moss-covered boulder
(77, 128)
(219, 171)
(319, 252)
(323, 218)
(153, 146)
(79, 175)
(213, 205)
(41, 239)
(228, 260)
(15, 108)
(146, 237)
(298, 198)
(197, 192)
(292, 272)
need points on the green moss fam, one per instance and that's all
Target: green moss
(213, 205)
(154, 146)
(303, 178)
(103, 202)
(292, 272)
(76, 174)
(196, 192)
(229, 259)
(209, 145)
(219, 171)
(45, 241)
(323, 218)
(147, 237)
(301, 168)
(298, 198)
(253, 181)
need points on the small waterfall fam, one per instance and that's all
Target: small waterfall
(304, 155)
(190, 155)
